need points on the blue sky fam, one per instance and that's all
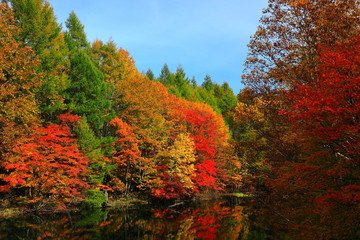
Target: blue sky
(203, 36)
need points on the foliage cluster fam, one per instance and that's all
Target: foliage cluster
(220, 97)
(78, 121)
(78, 118)
(297, 122)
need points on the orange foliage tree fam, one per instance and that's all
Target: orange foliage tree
(125, 157)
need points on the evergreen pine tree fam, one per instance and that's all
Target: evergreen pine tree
(208, 83)
(75, 35)
(150, 74)
(88, 93)
(42, 33)
(193, 82)
(166, 77)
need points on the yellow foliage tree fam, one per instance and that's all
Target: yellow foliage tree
(182, 159)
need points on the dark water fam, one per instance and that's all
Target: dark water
(229, 218)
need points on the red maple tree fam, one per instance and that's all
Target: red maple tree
(49, 166)
(325, 114)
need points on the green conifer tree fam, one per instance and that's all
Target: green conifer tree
(193, 82)
(208, 83)
(88, 93)
(91, 145)
(166, 77)
(150, 74)
(42, 33)
(75, 35)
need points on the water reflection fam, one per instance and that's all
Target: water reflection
(203, 220)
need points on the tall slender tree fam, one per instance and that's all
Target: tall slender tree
(42, 33)
(75, 35)
(88, 93)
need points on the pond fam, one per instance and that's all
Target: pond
(228, 218)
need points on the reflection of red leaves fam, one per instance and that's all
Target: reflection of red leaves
(205, 227)
(162, 213)
(205, 222)
(208, 234)
(63, 221)
(102, 224)
(29, 225)
(46, 234)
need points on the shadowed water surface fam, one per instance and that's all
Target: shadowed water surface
(225, 219)
(229, 218)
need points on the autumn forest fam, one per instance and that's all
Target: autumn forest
(81, 126)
